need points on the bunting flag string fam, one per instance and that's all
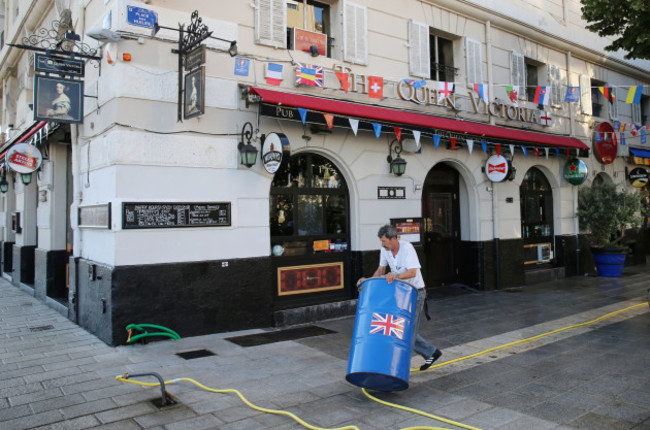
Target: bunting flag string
(484, 145)
(470, 145)
(436, 141)
(377, 128)
(453, 143)
(303, 114)
(498, 149)
(398, 133)
(329, 119)
(546, 150)
(536, 151)
(523, 148)
(416, 136)
(354, 124)
(512, 149)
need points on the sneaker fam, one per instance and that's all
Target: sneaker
(429, 361)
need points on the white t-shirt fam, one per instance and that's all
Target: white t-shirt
(405, 259)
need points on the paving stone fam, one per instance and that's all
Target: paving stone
(73, 424)
(57, 403)
(126, 412)
(593, 421)
(23, 399)
(169, 415)
(119, 425)
(31, 421)
(198, 423)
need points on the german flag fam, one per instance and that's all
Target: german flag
(608, 92)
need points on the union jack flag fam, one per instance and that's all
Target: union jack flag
(309, 75)
(387, 324)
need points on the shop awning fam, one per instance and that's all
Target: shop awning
(640, 152)
(397, 116)
(28, 133)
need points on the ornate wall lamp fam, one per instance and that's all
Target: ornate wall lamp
(26, 178)
(397, 164)
(4, 185)
(247, 152)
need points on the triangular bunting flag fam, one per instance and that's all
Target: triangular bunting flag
(436, 140)
(354, 124)
(398, 133)
(470, 146)
(557, 152)
(377, 128)
(303, 114)
(498, 149)
(536, 151)
(416, 136)
(329, 119)
(546, 150)
(523, 148)
(608, 92)
(453, 143)
(484, 145)
(512, 149)
(568, 153)
(344, 80)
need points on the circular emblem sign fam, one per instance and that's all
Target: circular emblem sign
(274, 146)
(496, 168)
(24, 158)
(575, 171)
(639, 177)
(605, 143)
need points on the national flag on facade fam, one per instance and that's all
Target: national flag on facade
(634, 129)
(622, 140)
(376, 87)
(541, 95)
(387, 324)
(308, 74)
(608, 92)
(634, 94)
(621, 127)
(572, 95)
(513, 93)
(482, 91)
(273, 73)
(545, 118)
(415, 83)
(445, 89)
(242, 65)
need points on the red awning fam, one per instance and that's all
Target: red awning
(396, 116)
(26, 135)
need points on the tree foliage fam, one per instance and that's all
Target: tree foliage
(606, 212)
(627, 20)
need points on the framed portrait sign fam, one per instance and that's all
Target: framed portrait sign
(194, 98)
(58, 99)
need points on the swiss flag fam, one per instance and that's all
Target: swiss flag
(376, 87)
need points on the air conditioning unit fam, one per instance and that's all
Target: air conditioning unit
(544, 253)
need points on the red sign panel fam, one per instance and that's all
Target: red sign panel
(303, 40)
(605, 143)
(310, 279)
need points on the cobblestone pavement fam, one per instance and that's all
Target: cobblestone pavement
(56, 375)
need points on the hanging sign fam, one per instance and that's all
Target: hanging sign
(59, 65)
(575, 171)
(605, 143)
(24, 158)
(497, 168)
(275, 146)
(639, 177)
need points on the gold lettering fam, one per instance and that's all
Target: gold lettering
(530, 117)
(511, 112)
(450, 102)
(359, 83)
(342, 68)
(521, 114)
(493, 109)
(433, 96)
(477, 103)
(419, 96)
(404, 90)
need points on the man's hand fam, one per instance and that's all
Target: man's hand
(360, 281)
(390, 277)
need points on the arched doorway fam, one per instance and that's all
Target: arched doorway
(536, 205)
(309, 215)
(441, 214)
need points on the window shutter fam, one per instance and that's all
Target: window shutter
(585, 95)
(355, 33)
(518, 72)
(555, 81)
(474, 56)
(271, 23)
(419, 53)
(636, 113)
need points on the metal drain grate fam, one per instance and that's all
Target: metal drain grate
(41, 328)
(189, 355)
(279, 336)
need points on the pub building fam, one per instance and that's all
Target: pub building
(222, 175)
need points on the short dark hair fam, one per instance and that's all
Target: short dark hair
(387, 230)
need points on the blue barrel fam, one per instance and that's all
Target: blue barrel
(380, 354)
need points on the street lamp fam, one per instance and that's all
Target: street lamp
(247, 152)
(397, 164)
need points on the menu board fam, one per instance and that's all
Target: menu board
(170, 215)
(409, 229)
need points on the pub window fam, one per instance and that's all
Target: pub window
(310, 16)
(308, 208)
(597, 99)
(532, 80)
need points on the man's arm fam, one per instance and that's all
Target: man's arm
(381, 270)
(410, 273)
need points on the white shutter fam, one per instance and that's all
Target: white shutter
(518, 72)
(555, 82)
(271, 23)
(636, 113)
(585, 95)
(474, 57)
(355, 33)
(419, 52)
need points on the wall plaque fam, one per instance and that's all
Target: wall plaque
(309, 279)
(139, 215)
(95, 216)
(391, 193)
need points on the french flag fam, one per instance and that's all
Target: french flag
(273, 74)
(482, 91)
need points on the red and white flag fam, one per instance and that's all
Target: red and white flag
(376, 87)
(387, 324)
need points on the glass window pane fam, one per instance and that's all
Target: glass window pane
(310, 213)
(336, 214)
(281, 215)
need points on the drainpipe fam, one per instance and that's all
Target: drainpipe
(572, 129)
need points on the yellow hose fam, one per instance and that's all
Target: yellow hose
(124, 378)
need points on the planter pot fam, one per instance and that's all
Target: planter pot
(609, 261)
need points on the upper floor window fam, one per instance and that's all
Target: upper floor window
(442, 58)
(310, 17)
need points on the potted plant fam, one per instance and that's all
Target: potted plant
(606, 213)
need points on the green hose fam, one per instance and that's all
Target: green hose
(166, 332)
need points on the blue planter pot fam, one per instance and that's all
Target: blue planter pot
(609, 261)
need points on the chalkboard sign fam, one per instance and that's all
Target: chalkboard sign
(171, 215)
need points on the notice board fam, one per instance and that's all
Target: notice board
(138, 215)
